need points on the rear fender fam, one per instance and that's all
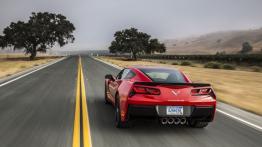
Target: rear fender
(123, 92)
(110, 96)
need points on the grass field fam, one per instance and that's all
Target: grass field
(242, 89)
(13, 63)
(240, 67)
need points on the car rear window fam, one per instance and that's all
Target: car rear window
(164, 75)
(130, 75)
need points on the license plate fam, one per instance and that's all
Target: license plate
(174, 110)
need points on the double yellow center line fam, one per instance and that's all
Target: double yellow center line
(81, 108)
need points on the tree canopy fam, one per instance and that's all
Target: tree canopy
(155, 46)
(246, 47)
(41, 32)
(134, 42)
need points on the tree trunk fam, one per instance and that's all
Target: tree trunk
(131, 54)
(134, 56)
(33, 54)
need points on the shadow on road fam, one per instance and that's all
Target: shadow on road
(104, 119)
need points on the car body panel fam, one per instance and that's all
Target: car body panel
(171, 95)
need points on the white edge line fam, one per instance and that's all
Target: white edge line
(26, 74)
(259, 128)
(110, 64)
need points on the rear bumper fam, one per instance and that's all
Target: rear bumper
(203, 113)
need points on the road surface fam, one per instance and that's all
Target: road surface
(38, 111)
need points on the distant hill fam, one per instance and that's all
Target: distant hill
(228, 41)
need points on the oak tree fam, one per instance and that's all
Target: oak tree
(41, 32)
(134, 42)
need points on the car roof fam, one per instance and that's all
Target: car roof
(139, 67)
(138, 70)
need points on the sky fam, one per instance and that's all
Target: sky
(97, 20)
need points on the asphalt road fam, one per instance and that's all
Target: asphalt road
(223, 132)
(38, 111)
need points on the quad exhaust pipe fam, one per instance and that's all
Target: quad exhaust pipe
(177, 121)
(183, 121)
(170, 120)
(163, 121)
(173, 120)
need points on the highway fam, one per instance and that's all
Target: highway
(38, 111)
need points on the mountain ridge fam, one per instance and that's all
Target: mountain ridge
(211, 43)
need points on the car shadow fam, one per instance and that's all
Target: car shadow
(102, 116)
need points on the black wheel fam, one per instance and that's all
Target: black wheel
(106, 98)
(118, 122)
(197, 124)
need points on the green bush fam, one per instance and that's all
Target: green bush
(229, 67)
(162, 62)
(186, 63)
(128, 59)
(213, 65)
(256, 69)
(22, 66)
(174, 63)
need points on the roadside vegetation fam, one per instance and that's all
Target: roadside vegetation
(217, 65)
(232, 86)
(13, 63)
(214, 65)
(256, 69)
(186, 63)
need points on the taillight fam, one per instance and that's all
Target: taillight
(201, 91)
(140, 89)
(153, 91)
(146, 90)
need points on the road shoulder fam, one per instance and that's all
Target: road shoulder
(16, 76)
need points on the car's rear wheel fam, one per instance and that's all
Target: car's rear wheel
(106, 98)
(118, 122)
(197, 124)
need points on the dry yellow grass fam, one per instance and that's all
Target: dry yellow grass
(13, 63)
(239, 88)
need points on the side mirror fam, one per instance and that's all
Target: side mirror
(110, 77)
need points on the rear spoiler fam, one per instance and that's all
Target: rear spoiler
(175, 84)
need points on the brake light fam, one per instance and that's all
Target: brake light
(146, 90)
(139, 89)
(201, 91)
(153, 91)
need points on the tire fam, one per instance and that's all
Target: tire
(118, 122)
(197, 124)
(106, 98)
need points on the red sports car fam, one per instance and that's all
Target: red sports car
(163, 93)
